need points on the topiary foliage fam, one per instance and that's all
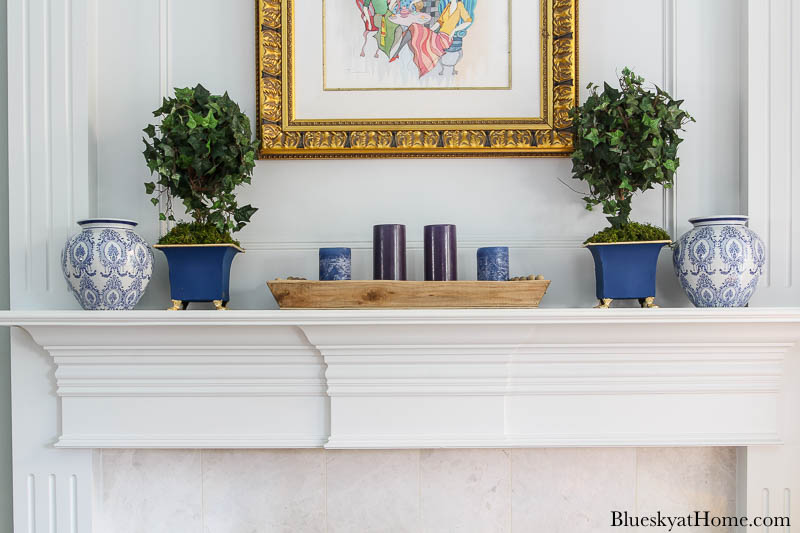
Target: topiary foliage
(201, 152)
(626, 141)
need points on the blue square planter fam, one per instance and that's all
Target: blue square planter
(626, 270)
(199, 272)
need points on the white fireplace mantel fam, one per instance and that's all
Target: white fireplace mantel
(427, 378)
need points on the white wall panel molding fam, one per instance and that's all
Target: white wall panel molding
(48, 179)
(389, 379)
(670, 84)
(165, 78)
(771, 140)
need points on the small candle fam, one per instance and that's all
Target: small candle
(334, 264)
(493, 263)
(441, 254)
(389, 252)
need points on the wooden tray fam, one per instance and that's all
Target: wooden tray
(367, 294)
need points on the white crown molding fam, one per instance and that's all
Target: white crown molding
(416, 378)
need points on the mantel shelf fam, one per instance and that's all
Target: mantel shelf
(416, 378)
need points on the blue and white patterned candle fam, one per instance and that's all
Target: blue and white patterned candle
(493, 263)
(334, 264)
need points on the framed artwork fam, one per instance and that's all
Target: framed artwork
(416, 78)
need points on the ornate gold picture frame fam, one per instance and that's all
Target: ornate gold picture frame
(283, 136)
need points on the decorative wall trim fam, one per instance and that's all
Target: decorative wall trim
(217, 371)
(308, 246)
(165, 81)
(416, 378)
(773, 116)
(48, 157)
(554, 440)
(190, 441)
(670, 81)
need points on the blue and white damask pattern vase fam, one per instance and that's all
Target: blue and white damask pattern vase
(719, 261)
(107, 265)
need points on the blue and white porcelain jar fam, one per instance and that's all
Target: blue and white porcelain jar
(719, 261)
(107, 265)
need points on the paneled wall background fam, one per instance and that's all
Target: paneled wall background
(144, 48)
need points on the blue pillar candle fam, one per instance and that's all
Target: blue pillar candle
(493, 263)
(389, 252)
(334, 264)
(441, 254)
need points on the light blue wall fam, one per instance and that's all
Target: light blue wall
(5, 384)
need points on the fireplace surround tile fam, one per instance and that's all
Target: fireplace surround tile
(571, 490)
(682, 480)
(465, 490)
(263, 491)
(149, 491)
(373, 490)
(558, 490)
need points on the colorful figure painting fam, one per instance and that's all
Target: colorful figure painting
(409, 44)
(431, 29)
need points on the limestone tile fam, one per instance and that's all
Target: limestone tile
(373, 491)
(465, 490)
(148, 491)
(571, 490)
(679, 481)
(263, 491)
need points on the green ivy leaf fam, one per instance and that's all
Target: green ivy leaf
(616, 137)
(593, 136)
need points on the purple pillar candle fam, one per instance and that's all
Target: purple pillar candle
(440, 253)
(389, 252)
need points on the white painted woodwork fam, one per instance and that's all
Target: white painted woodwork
(411, 379)
(769, 476)
(772, 138)
(52, 489)
(48, 135)
(83, 78)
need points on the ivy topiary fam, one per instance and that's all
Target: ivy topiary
(626, 141)
(201, 151)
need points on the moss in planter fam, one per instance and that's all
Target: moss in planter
(631, 232)
(196, 233)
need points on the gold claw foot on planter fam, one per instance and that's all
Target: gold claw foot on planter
(648, 303)
(220, 305)
(605, 303)
(177, 305)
